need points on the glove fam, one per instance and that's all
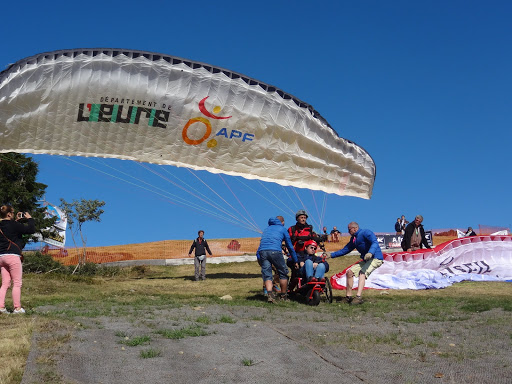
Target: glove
(368, 256)
(326, 255)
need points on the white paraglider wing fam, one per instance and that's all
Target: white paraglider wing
(160, 109)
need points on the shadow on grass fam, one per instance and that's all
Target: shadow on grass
(228, 275)
(210, 276)
(294, 298)
(256, 297)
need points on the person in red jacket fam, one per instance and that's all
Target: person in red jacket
(302, 232)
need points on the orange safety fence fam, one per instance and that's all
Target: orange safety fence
(175, 249)
(167, 249)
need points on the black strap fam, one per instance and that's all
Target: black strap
(10, 242)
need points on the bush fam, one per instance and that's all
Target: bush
(36, 262)
(140, 270)
(88, 269)
(108, 271)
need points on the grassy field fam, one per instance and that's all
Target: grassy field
(53, 302)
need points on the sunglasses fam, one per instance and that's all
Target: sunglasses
(312, 246)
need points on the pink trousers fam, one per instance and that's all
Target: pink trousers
(11, 269)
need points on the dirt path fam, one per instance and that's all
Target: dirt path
(273, 344)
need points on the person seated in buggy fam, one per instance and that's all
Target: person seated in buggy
(311, 266)
(315, 266)
(308, 279)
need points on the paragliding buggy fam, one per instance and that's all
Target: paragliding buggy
(313, 291)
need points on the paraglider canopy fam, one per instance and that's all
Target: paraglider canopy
(160, 109)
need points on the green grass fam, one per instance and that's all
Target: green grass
(247, 362)
(150, 353)
(476, 306)
(437, 334)
(227, 319)
(138, 293)
(136, 341)
(204, 319)
(191, 331)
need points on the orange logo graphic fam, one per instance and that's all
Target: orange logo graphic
(211, 143)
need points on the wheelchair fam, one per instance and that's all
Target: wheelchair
(313, 291)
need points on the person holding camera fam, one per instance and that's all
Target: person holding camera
(11, 244)
(201, 247)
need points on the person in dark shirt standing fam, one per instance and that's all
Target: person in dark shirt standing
(470, 232)
(335, 234)
(414, 237)
(398, 227)
(201, 247)
(11, 243)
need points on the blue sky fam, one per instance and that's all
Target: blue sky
(424, 87)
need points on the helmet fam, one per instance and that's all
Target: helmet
(310, 242)
(300, 213)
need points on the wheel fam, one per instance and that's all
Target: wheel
(315, 298)
(328, 291)
(308, 294)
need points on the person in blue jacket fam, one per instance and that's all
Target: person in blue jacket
(312, 267)
(270, 253)
(366, 243)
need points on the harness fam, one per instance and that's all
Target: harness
(298, 244)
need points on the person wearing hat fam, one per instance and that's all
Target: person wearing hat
(313, 267)
(270, 253)
(201, 247)
(302, 231)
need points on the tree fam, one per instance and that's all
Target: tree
(19, 188)
(78, 213)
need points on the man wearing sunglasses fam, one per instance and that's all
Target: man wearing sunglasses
(366, 243)
(312, 267)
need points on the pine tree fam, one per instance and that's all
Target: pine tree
(20, 189)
